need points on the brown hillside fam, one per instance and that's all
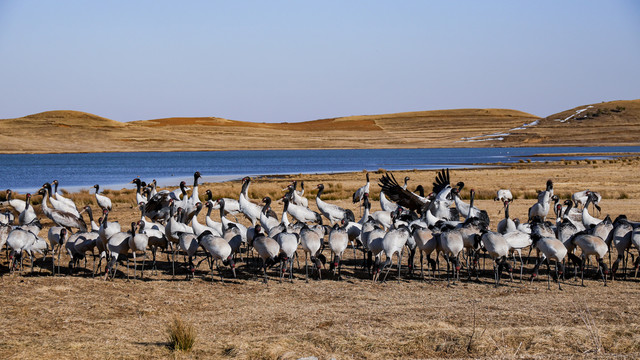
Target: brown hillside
(613, 123)
(606, 123)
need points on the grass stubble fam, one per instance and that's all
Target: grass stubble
(83, 317)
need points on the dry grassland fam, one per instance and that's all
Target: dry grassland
(423, 129)
(83, 317)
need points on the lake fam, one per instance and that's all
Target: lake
(27, 172)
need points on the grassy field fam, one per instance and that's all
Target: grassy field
(84, 317)
(608, 123)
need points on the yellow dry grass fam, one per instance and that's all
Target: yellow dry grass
(40, 133)
(83, 317)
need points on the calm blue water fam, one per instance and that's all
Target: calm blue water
(27, 172)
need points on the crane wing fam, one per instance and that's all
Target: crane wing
(397, 194)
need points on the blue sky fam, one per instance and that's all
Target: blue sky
(275, 61)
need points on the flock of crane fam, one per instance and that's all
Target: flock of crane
(440, 223)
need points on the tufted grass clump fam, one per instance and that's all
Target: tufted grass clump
(181, 335)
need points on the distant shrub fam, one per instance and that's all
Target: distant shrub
(623, 196)
(381, 171)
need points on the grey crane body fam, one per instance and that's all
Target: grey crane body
(311, 243)
(621, 240)
(17, 204)
(118, 245)
(331, 211)
(138, 241)
(590, 245)
(250, 210)
(57, 236)
(451, 243)
(189, 244)
(288, 245)
(498, 249)
(552, 249)
(267, 248)
(426, 243)
(338, 242)
(61, 218)
(218, 249)
(506, 225)
(103, 201)
(60, 205)
(78, 245)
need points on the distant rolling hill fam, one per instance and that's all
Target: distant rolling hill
(610, 123)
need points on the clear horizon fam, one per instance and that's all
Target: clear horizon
(288, 62)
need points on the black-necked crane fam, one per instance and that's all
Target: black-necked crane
(468, 210)
(28, 215)
(17, 204)
(503, 195)
(267, 248)
(426, 244)
(218, 249)
(189, 204)
(189, 244)
(57, 236)
(402, 197)
(200, 228)
(60, 197)
(300, 212)
(288, 242)
(222, 203)
(118, 245)
(209, 221)
(451, 243)
(506, 225)
(364, 189)
(581, 197)
(338, 241)
(552, 249)
(311, 243)
(60, 205)
(94, 225)
(158, 207)
(268, 220)
(173, 230)
(541, 208)
(333, 212)
(635, 239)
(103, 201)
(517, 241)
(61, 218)
(138, 241)
(498, 249)
(78, 245)
(20, 241)
(590, 245)
(157, 239)
(621, 240)
(250, 210)
(393, 243)
(140, 198)
(106, 230)
(297, 197)
(231, 206)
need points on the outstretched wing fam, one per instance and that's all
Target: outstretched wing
(442, 180)
(397, 194)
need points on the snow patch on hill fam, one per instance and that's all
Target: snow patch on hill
(578, 112)
(498, 136)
